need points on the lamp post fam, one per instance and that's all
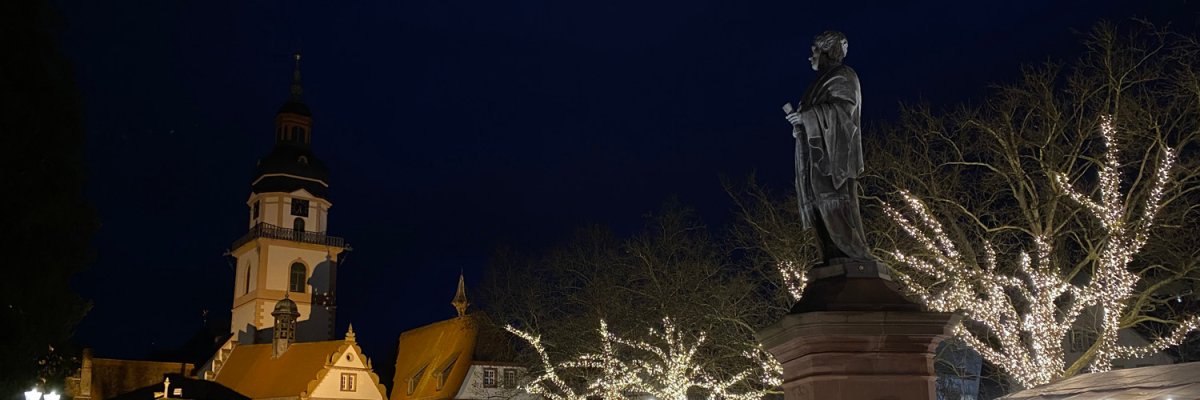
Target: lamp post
(35, 394)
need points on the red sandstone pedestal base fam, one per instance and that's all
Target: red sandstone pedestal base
(860, 355)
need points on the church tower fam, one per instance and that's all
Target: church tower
(287, 253)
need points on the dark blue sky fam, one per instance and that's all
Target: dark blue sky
(453, 127)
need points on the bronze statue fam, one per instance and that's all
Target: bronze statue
(827, 127)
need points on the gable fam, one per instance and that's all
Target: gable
(301, 193)
(348, 376)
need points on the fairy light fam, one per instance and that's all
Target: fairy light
(547, 384)
(794, 277)
(1020, 321)
(665, 367)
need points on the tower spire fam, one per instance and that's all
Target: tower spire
(460, 298)
(297, 90)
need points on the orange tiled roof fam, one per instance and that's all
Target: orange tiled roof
(433, 347)
(252, 372)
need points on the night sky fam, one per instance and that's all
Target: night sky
(455, 127)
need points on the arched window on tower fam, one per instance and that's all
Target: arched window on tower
(298, 275)
(247, 283)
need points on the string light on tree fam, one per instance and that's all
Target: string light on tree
(794, 277)
(664, 366)
(1019, 321)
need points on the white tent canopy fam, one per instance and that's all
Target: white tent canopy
(1162, 382)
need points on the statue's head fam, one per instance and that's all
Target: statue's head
(829, 49)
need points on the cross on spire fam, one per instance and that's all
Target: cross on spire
(297, 90)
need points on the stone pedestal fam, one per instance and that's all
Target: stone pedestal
(853, 336)
(861, 355)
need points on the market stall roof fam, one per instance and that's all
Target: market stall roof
(1161, 382)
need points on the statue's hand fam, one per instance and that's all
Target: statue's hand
(794, 118)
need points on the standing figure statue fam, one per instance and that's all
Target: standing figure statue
(827, 127)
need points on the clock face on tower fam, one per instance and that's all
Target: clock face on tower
(300, 207)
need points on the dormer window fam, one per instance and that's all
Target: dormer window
(302, 160)
(416, 379)
(443, 373)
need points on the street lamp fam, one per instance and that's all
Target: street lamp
(34, 394)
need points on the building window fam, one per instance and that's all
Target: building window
(416, 379)
(1082, 340)
(444, 374)
(510, 378)
(348, 383)
(284, 330)
(299, 275)
(298, 227)
(300, 207)
(247, 282)
(489, 377)
(254, 212)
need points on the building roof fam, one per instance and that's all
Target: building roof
(252, 371)
(286, 306)
(1176, 381)
(290, 167)
(295, 107)
(431, 349)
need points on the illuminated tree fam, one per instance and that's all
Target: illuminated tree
(674, 267)
(1023, 318)
(1041, 231)
(1034, 206)
(664, 366)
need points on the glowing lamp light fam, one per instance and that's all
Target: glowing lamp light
(34, 394)
(52, 396)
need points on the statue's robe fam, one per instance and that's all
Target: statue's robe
(828, 162)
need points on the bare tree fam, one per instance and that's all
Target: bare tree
(1061, 177)
(673, 269)
(665, 365)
